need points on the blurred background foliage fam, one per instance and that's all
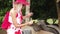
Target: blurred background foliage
(5, 5)
(42, 9)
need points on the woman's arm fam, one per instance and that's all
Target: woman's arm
(24, 17)
(15, 22)
(28, 15)
(13, 15)
(25, 24)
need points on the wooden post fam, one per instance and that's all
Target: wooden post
(58, 11)
(27, 9)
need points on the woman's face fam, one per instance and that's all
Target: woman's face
(18, 7)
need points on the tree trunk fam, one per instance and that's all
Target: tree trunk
(58, 11)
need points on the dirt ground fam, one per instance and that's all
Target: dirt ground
(3, 32)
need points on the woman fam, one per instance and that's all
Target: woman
(15, 17)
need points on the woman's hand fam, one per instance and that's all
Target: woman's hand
(30, 23)
(29, 14)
